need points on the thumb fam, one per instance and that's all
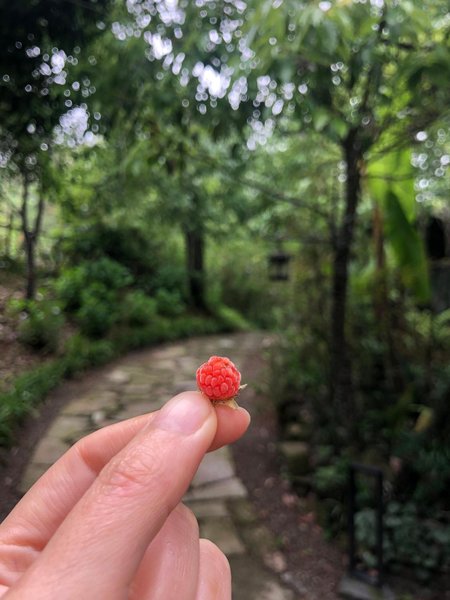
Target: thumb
(123, 510)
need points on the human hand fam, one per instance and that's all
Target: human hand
(106, 522)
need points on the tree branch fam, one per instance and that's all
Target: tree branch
(40, 213)
(24, 207)
(266, 191)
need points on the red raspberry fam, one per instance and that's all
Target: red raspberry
(218, 379)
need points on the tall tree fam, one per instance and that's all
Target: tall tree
(369, 76)
(157, 118)
(40, 45)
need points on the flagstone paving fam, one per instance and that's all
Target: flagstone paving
(141, 383)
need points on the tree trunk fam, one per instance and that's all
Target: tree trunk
(380, 296)
(9, 233)
(30, 236)
(31, 266)
(195, 266)
(341, 371)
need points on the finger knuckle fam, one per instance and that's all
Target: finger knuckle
(126, 476)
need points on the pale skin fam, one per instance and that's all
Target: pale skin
(106, 520)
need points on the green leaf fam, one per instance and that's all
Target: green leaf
(321, 118)
(394, 172)
(408, 248)
(339, 127)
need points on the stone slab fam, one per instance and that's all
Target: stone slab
(226, 342)
(188, 365)
(259, 538)
(68, 427)
(99, 418)
(228, 488)
(135, 409)
(128, 399)
(49, 450)
(118, 377)
(215, 466)
(137, 389)
(184, 386)
(243, 512)
(32, 474)
(351, 588)
(251, 581)
(296, 455)
(275, 561)
(103, 400)
(173, 351)
(208, 508)
(223, 533)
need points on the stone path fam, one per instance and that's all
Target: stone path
(142, 382)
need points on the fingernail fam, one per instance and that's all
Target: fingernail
(183, 414)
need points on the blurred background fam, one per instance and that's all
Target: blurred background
(171, 168)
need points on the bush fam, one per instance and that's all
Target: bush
(82, 353)
(170, 277)
(169, 303)
(409, 539)
(231, 319)
(41, 323)
(110, 273)
(132, 247)
(98, 311)
(99, 308)
(73, 281)
(331, 480)
(424, 476)
(137, 308)
(29, 389)
(69, 286)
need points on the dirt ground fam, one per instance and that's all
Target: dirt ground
(312, 563)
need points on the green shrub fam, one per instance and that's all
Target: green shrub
(137, 308)
(231, 319)
(28, 390)
(238, 278)
(32, 387)
(131, 246)
(187, 325)
(170, 277)
(127, 337)
(409, 539)
(425, 471)
(110, 273)
(163, 329)
(82, 353)
(169, 302)
(98, 310)
(69, 286)
(73, 281)
(40, 324)
(331, 480)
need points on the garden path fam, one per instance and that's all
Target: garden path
(142, 382)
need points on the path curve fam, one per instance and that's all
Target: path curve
(142, 382)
